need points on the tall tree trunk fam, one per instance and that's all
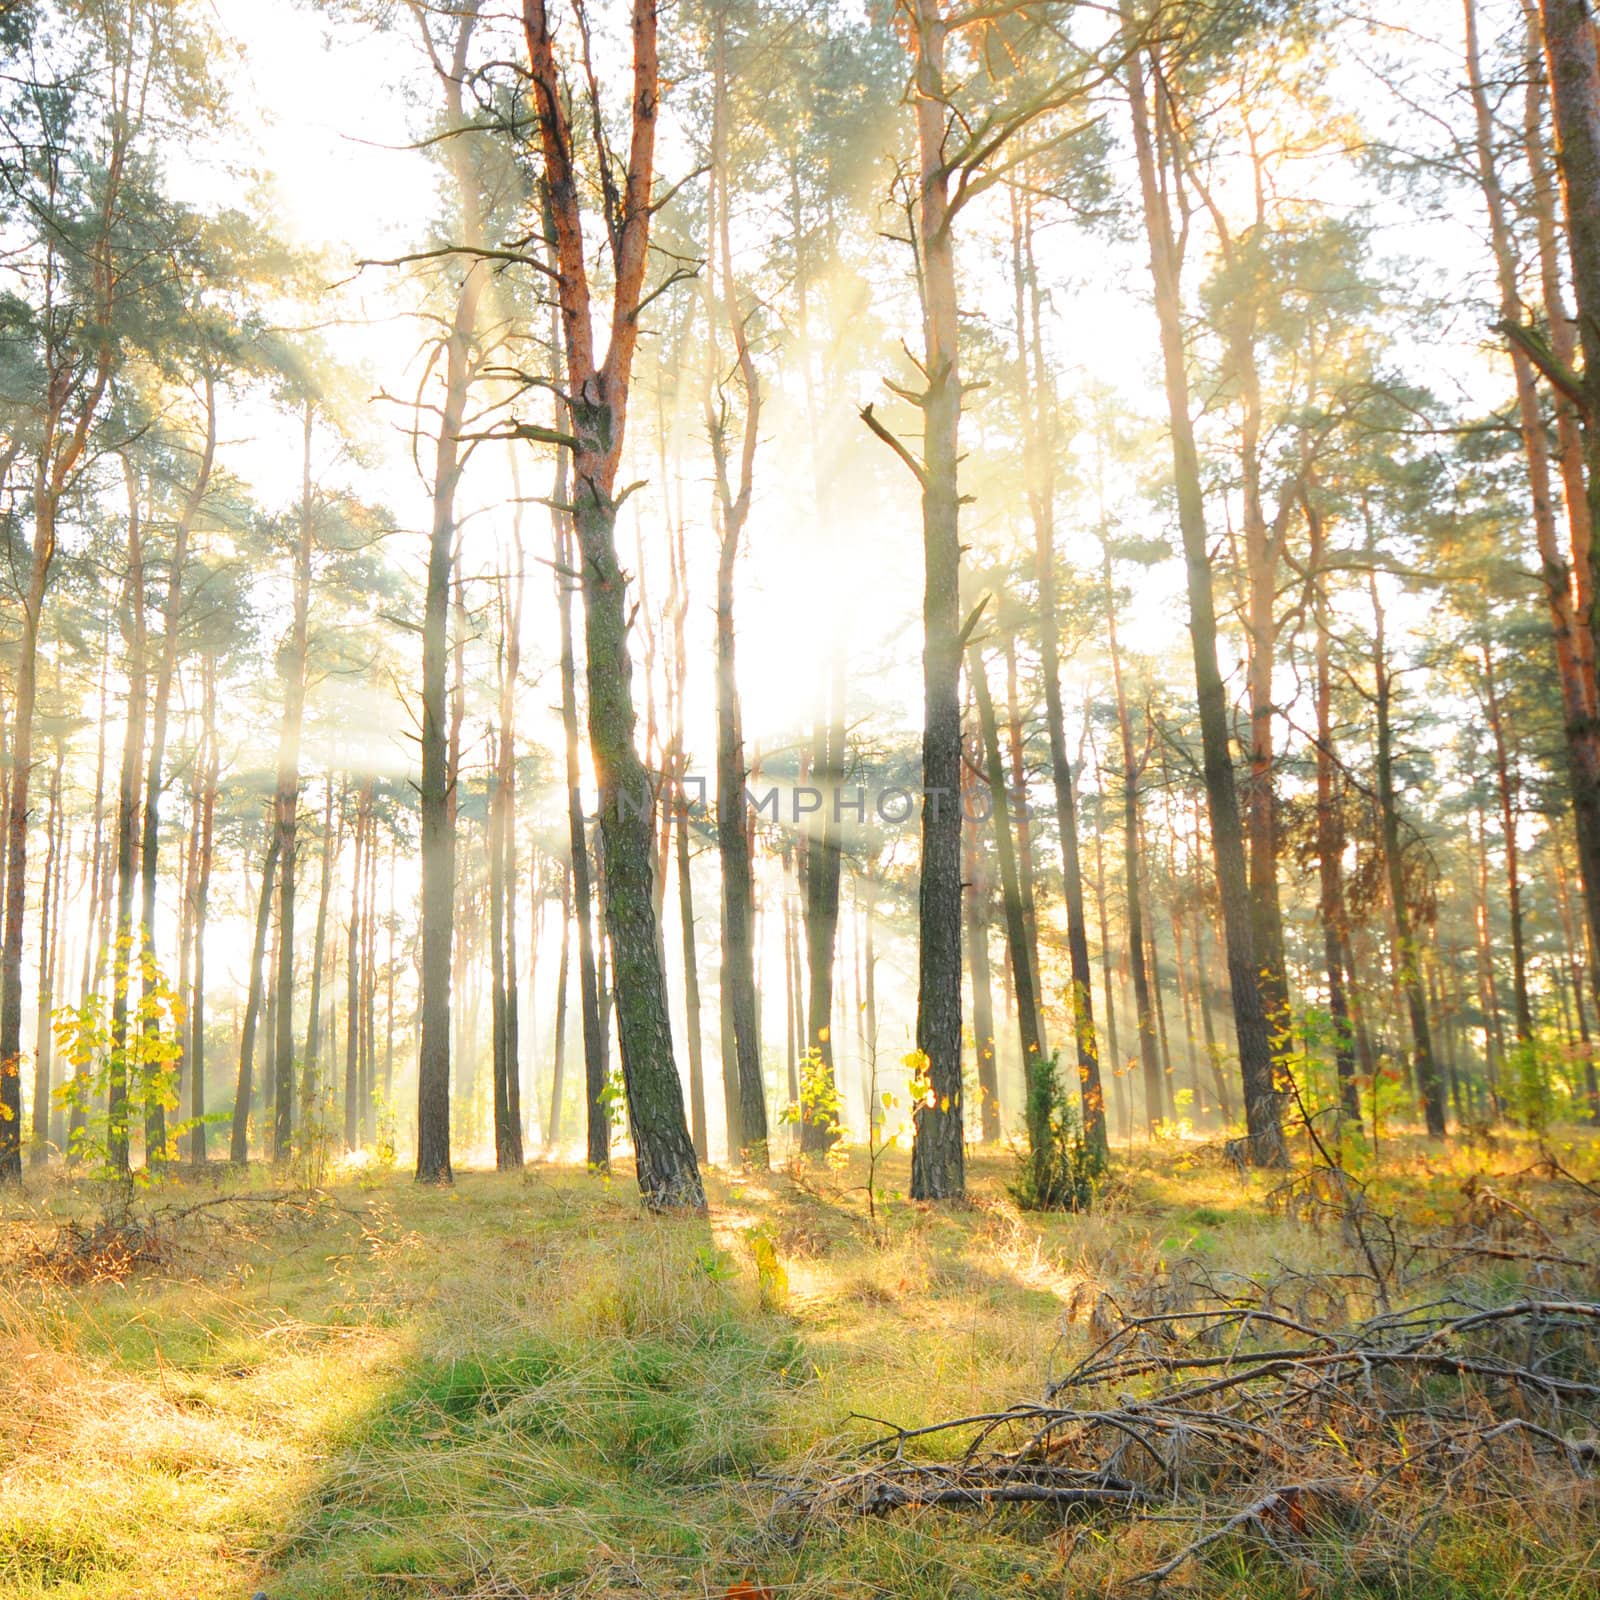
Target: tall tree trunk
(239, 1145)
(1085, 1039)
(1039, 1131)
(1408, 954)
(352, 988)
(1132, 871)
(747, 1130)
(974, 871)
(97, 826)
(824, 864)
(438, 818)
(1101, 922)
(1488, 997)
(120, 1086)
(668, 1173)
(938, 1165)
(388, 1011)
(1566, 574)
(60, 454)
(287, 800)
(1580, 958)
(312, 1092)
(1018, 773)
(598, 1122)
(1569, 41)
(189, 867)
(1330, 830)
(691, 991)
(155, 1137)
(677, 818)
(1214, 1050)
(1263, 1114)
(1506, 786)
(369, 986)
(435, 789)
(48, 935)
(557, 1076)
(502, 892)
(792, 1004)
(202, 900)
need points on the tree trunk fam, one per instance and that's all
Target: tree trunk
(598, 1122)
(557, 1076)
(202, 898)
(1507, 786)
(1262, 1110)
(1566, 576)
(747, 1124)
(189, 867)
(1038, 1115)
(977, 914)
(691, 991)
(352, 987)
(502, 895)
(155, 1111)
(287, 799)
(1018, 773)
(1133, 872)
(123, 957)
(824, 865)
(239, 1145)
(48, 935)
(438, 819)
(1085, 1038)
(1408, 955)
(1330, 832)
(311, 1069)
(938, 1164)
(668, 1173)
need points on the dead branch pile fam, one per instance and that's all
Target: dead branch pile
(103, 1249)
(127, 1237)
(1239, 1416)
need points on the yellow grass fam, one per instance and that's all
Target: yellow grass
(524, 1385)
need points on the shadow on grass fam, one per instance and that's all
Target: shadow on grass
(589, 1392)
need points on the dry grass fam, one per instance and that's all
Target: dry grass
(527, 1387)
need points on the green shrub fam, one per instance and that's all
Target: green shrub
(1058, 1171)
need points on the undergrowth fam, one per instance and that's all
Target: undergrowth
(525, 1386)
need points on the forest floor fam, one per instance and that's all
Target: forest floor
(524, 1386)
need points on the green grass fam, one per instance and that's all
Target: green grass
(527, 1386)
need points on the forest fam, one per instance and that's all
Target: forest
(799, 797)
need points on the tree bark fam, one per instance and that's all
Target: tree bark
(747, 1132)
(202, 900)
(1330, 829)
(668, 1173)
(1132, 871)
(1408, 954)
(239, 1145)
(48, 935)
(938, 1163)
(1031, 1035)
(1263, 1114)
(311, 1068)
(502, 893)
(558, 1072)
(597, 1119)
(119, 1084)
(155, 1112)
(352, 988)
(977, 917)
(287, 799)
